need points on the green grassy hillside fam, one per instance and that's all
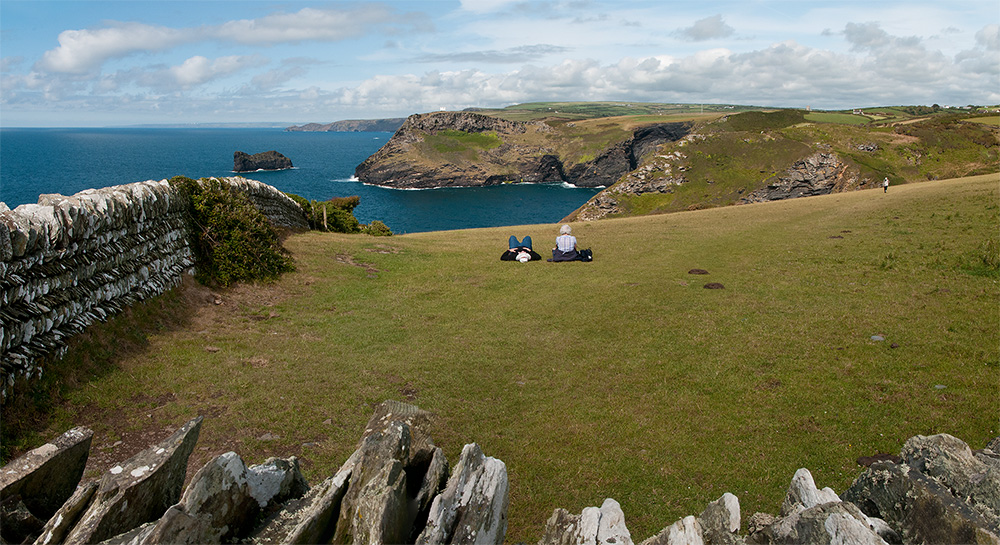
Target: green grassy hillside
(620, 378)
(728, 158)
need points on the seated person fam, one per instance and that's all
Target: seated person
(520, 250)
(565, 249)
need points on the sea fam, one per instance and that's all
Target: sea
(35, 161)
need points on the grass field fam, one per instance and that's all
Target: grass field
(620, 378)
(988, 120)
(834, 117)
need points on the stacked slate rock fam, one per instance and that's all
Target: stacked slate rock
(278, 207)
(395, 488)
(68, 262)
(941, 492)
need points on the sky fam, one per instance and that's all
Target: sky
(112, 63)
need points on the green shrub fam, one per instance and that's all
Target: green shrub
(232, 240)
(376, 229)
(339, 213)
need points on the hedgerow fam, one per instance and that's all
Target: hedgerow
(232, 240)
(338, 217)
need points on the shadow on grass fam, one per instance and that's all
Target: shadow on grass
(92, 354)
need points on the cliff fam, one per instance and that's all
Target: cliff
(653, 162)
(352, 125)
(268, 160)
(758, 157)
(466, 149)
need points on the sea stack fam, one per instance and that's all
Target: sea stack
(268, 160)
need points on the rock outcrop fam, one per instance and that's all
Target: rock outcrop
(941, 493)
(818, 174)
(47, 476)
(391, 490)
(524, 154)
(268, 160)
(396, 488)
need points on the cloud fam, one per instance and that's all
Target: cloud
(84, 51)
(989, 37)
(520, 54)
(277, 77)
(198, 70)
(322, 25)
(866, 36)
(8, 64)
(709, 28)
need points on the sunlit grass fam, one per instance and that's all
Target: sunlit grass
(620, 378)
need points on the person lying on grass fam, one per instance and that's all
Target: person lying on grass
(520, 251)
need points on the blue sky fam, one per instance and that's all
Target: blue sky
(82, 63)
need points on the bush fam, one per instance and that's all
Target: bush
(376, 229)
(339, 213)
(232, 240)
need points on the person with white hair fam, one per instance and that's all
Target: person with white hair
(565, 249)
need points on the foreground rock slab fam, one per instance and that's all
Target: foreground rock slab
(473, 506)
(47, 476)
(140, 490)
(594, 525)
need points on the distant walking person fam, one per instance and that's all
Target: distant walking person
(885, 185)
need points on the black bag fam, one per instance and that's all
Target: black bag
(585, 255)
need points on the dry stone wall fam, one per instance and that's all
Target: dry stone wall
(67, 262)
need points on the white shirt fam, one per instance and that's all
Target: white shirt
(565, 243)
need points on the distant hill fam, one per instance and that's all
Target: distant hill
(352, 125)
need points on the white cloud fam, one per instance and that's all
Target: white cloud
(708, 28)
(198, 70)
(8, 64)
(84, 51)
(864, 36)
(989, 37)
(309, 24)
(277, 77)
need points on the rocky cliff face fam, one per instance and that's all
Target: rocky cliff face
(525, 154)
(818, 174)
(268, 160)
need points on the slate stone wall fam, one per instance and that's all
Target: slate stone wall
(67, 262)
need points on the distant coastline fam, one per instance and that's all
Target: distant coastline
(352, 125)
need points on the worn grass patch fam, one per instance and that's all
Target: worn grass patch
(620, 378)
(836, 117)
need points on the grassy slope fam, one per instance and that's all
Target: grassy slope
(743, 154)
(620, 378)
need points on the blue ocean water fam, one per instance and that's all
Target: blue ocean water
(38, 161)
